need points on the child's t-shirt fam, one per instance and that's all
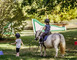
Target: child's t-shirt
(18, 43)
(47, 30)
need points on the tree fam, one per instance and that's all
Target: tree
(11, 13)
(38, 9)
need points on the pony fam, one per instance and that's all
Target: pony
(54, 40)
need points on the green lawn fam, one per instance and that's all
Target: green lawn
(31, 50)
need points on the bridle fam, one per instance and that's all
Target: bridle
(39, 33)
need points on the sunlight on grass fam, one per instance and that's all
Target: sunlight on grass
(27, 33)
(48, 59)
(71, 57)
(7, 46)
(22, 47)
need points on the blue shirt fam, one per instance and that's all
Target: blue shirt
(47, 30)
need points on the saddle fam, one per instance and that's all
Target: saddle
(47, 34)
(45, 37)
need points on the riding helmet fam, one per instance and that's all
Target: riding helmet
(46, 21)
(17, 35)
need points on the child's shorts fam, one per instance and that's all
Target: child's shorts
(17, 50)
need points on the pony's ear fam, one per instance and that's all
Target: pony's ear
(35, 32)
(40, 31)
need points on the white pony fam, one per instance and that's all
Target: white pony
(53, 40)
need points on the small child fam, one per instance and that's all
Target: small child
(18, 43)
(46, 30)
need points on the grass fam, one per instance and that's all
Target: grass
(31, 50)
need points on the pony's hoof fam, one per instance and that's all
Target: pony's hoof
(41, 55)
(44, 55)
(62, 56)
(55, 56)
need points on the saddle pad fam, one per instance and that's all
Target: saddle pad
(45, 38)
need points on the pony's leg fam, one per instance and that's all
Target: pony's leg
(41, 50)
(56, 48)
(44, 51)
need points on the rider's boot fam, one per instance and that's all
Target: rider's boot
(41, 41)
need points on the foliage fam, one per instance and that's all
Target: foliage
(11, 12)
(57, 10)
(17, 11)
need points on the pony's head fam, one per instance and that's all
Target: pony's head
(37, 34)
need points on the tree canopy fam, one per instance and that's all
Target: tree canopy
(11, 12)
(57, 10)
(17, 11)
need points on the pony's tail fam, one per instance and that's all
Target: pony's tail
(62, 44)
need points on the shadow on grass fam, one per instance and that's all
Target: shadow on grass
(70, 38)
(34, 54)
(29, 40)
(25, 54)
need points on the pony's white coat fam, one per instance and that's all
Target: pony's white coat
(53, 40)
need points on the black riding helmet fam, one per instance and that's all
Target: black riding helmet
(46, 21)
(17, 35)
